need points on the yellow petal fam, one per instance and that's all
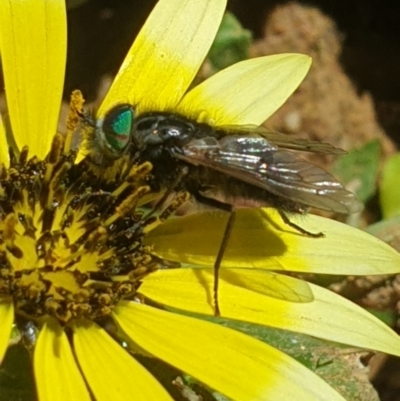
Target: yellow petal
(247, 92)
(232, 363)
(6, 320)
(327, 316)
(33, 51)
(110, 371)
(166, 55)
(56, 371)
(4, 156)
(260, 239)
(272, 284)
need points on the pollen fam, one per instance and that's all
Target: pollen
(71, 239)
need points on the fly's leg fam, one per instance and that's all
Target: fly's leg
(226, 207)
(151, 221)
(179, 200)
(220, 255)
(301, 230)
(183, 170)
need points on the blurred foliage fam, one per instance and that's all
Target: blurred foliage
(389, 187)
(387, 230)
(231, 43)
(359, 169)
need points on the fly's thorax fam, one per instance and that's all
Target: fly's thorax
(158, 136)
(173, 130)
(159, 128)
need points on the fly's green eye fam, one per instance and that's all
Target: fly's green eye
(115, 130)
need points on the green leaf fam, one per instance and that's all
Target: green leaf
(359, 169)
(389, 188)
(231, 43)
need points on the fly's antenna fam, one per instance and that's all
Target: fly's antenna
(87, 117)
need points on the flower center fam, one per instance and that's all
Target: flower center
(71, 238)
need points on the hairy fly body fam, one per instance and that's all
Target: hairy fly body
(224, 166)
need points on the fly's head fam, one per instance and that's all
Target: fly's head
(113, 132)
(113, 136)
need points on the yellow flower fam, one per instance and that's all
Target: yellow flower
(61, 224)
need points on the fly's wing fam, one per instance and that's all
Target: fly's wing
(285, 141)
(256, 161)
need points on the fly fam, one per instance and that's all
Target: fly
(223, 166)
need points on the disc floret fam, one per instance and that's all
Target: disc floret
(71, 241)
